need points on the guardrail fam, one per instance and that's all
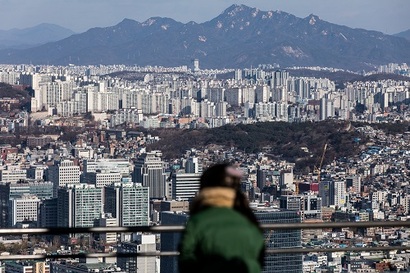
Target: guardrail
(173, 229)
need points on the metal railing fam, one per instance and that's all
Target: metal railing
(173, 229)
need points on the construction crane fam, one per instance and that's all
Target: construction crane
(317, 169)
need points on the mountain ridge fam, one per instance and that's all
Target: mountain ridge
(404, 34)
(33, 36)
(239, 37)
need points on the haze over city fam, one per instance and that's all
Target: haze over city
(389, 17)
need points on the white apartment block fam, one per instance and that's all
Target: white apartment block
(24, 208)
(189, 106)
(265, 109)
(121, 166)
(103, 178)
(101, 101)
(131, 99)
(12, 174)
(9, 77)
(54, 93)
(248, 94)
(220, 109)
(122, 116)
(63, 173)
(207, 109)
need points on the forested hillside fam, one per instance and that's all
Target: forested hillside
(301, 143)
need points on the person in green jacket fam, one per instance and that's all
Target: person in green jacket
(222, 234)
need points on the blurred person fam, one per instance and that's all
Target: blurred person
(222, 234)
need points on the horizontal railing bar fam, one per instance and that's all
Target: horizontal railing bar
(67, 230)
(328, 250)
(336, 225)
(88, 255)
(160, 228)
(176, 253)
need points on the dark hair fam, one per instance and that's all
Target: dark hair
(218, 176)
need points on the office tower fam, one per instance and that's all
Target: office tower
(277, 239)
(170, 240)
(42, 189)
(286, 181)
(326, 191)
(22, 209)
(149, 170)
(185, 186)
(47, 213)
(333, 193)
(141, 264)
(261, 176)
(9, 191)
(192, 165)
(4, 204)
(291, 202)
(340, 193)
(353, 183)
(309, 205)
(128, 203)
(312, 207)
(79, 205)
(63, 173)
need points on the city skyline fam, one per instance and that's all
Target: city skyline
(388, 17)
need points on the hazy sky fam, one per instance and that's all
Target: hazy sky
(388, 16)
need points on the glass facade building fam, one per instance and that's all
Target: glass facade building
(129, 203)
(276, 239)
(79, 206)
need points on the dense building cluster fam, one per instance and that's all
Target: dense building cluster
(182, 99)
(108, 177)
